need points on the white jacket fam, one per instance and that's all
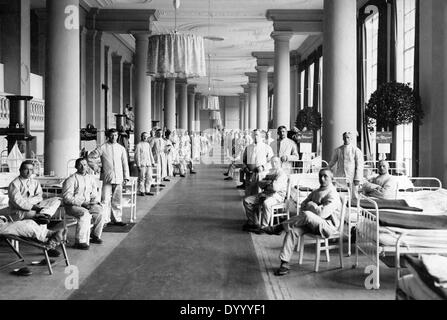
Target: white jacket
(114, 162)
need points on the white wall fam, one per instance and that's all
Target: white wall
(36, 87)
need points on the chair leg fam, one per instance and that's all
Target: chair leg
(297, 247)
(317, 254)
(50, 269)
(13, 247)
(64, 251)
(301, 242)
(340, 250)
(326, 244)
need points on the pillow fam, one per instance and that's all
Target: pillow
(403, 182)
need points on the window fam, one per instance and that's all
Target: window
(302, 88)
(310, 86)
(372, 31)
(405, 40)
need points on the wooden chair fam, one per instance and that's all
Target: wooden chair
(338, 235)
(280, 209)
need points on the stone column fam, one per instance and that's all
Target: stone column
(99, 92)
(281, 103)
(253, 103)
(62, 138)
(83, 77)
(242, 111)
(262, 98)
(294, 85)
(340, 73)
(182, 104)
(191, 107)
(127, 84)
(90, 79)
(197, 111)
(16, 54)
(117, 84)
(142, 110)
(246, 111)
(169, 104)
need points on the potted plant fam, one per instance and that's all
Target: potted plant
(308, 119)
(394, 103)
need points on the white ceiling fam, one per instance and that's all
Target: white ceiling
(242, 24)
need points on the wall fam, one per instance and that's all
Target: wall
(230, 105)
(433, 89)
(2, 77)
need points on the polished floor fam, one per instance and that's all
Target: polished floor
(188, 244)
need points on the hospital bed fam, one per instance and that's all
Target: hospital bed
(401, 228)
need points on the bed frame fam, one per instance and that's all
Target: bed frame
(367, 234)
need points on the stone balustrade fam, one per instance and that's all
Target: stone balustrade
(37, 113)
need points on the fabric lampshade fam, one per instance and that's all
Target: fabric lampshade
(176, 55)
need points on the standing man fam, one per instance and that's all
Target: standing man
(285, 149)
(114, 174)
(347, 161)
(80, 196)
(256, 157)
(144, 160)
(158, 145)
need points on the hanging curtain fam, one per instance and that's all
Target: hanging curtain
(176, 56)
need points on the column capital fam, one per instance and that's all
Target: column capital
(264, 58)
(141, 35)
(252, 76)
(297, 21)
(192, 88)
(245, 87)
(281, 35)
(121, 20)
(252, 85)
(181, 81)
(116, 58)
(262, 69)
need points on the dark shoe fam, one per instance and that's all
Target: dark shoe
(166, 180)
(254, 229)
(22, 272)
(192, 172)
(228, 178)
(119, 224)
(81, 246)
(149, 194)
(274, 230)
(162, 185)
(226, 174)
(282, 271)
(96, 240)
(242, 186)
(53, 253)
(141, 194)
(247, 227)
(182, 175)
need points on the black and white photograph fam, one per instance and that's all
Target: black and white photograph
(221, 156)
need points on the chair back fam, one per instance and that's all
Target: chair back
(344, 201)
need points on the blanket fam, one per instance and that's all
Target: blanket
(412, 220)
(397, 204)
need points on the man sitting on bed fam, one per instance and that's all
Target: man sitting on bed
(384, 186)
(317, 215)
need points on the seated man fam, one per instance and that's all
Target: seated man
(317, 216)
(30, 229)
(25, 197)
(384, 186)
(80, 194)
(274, 187)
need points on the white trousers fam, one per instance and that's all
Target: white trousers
(85, 219)
(25, 228)
(111, 197)
(144, 179)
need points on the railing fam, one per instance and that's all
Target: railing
(37, 112)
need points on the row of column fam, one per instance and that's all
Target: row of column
(339, 109)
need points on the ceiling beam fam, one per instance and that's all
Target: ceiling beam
(300, 22)
(120, 20)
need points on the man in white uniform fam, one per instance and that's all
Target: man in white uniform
(285, 148)
(347, 161)
(80, 196)
(114, 174)
(144, 161)
(256, 158)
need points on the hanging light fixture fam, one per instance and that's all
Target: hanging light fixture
(176, 55)
(212, 102)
